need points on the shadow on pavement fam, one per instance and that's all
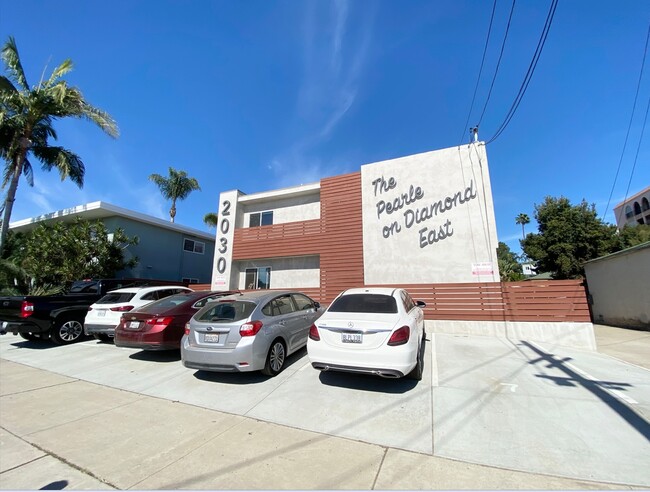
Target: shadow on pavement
(252, 377)
(58, 485)
(363, 382)
(575, 379)
(157, 355)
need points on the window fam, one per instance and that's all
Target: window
(303, 303)
(193, 246)
(628, 212)
(260, 219)
(258, 278)
(364, 303)
(226, 311)
(279, 305)
(408, 302)
(189, 280)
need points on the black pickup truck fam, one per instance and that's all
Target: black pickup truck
(59, 317)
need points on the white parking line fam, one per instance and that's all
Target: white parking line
(613, 392)
(434, 361)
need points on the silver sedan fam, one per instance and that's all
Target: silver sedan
(255, 331)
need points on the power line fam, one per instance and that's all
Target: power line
(629, 126)
(529, 72)
(478, 79)
(496, 71)
(645, 118)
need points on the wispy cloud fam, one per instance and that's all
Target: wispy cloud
(334, 57)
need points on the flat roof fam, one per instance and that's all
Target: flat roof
(633, 197)
(290, 192)
(102, 210)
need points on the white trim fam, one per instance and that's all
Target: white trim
(100, 210)
(293, 191)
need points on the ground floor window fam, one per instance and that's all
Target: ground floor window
(258, 278)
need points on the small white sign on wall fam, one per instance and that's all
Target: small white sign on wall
(484, 268)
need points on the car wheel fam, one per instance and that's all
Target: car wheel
(275, 358)
(416, 373)
(30, 336)
(102, 337)
(67, 331)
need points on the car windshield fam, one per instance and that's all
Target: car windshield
(364, 303)
(226, 311)
(115, 297)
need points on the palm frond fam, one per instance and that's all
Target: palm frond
(12, 60)
(6, 85)
(102, 119)
(66, 162)
(59, 72)
(28, 172)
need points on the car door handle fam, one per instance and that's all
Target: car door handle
(282, 322)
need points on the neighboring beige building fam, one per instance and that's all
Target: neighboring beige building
(618, 287)
(634, 210)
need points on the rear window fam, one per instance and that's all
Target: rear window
(364, 303)
(115, 297)
(226, 311)
(165, 303)
(85, 286)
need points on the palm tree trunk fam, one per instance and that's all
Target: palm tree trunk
(11, 196)
(523, 234)
(172, 211)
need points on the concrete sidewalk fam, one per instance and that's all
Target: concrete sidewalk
(625, 344)
(125, 440)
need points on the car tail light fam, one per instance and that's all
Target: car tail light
(400, 336)
(26, 309)
(121, 309)
(250, 329)
(187, 328)
(313, 333)
(158, 322)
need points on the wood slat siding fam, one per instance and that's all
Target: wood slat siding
(337, 237)
(537, 300)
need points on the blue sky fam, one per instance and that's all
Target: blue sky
(258, 95)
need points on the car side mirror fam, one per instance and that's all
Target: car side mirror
(316, 305)
(421, 304)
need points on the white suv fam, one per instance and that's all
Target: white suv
(105, 314)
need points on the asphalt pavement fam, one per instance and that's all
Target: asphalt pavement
(489, 414)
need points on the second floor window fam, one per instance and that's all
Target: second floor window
(193, 246)
(260, 219)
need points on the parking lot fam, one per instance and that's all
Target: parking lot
(510, 404)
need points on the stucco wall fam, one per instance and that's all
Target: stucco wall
(429, 218)
(284, 210)
(286, 273)
(619, 286)
(161, 254)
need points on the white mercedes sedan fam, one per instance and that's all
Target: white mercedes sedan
(372, 331)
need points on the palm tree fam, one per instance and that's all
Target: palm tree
(211, 219)
(26, 126)
(522, 219)
(176, 187)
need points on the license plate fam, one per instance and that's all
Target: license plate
(351, 337)
(134, 325)
(101, 312)
(211, 338)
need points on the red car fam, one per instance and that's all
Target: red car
(160, 324)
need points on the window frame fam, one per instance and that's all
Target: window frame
(198, 251)
(256, 281)
(257, 219)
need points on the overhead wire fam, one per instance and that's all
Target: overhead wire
(529, 72)
(496, 70)
(480, 71)
(629, 126)
(645, 118)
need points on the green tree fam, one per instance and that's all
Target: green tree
(62, 252)
(632, 235)
(177, 186)
(509, 267)
(568, 236)
(211, 219)
(522, 219)
(27, 116)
